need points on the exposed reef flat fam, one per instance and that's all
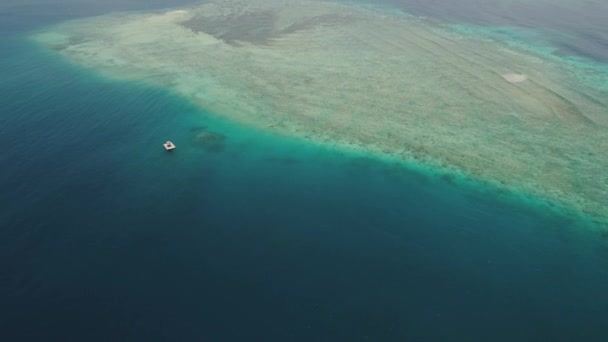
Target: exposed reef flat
(368, 79)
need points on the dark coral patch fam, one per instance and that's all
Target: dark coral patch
(210, 141)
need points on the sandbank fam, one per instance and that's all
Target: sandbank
(368, 79)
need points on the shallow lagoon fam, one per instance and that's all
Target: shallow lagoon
(374, 80)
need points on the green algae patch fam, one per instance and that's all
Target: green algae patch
(371, 80)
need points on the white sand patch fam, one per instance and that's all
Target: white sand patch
(176, 15)
(514, 78)
(177, 12)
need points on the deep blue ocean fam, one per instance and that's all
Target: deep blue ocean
(248, 236)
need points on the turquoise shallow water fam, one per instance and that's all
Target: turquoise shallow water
(240, 234)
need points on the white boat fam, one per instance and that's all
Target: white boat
(169, 145)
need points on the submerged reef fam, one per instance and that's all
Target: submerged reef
(210, 141)
(368, 79)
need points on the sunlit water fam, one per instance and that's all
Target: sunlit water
(242, 235)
